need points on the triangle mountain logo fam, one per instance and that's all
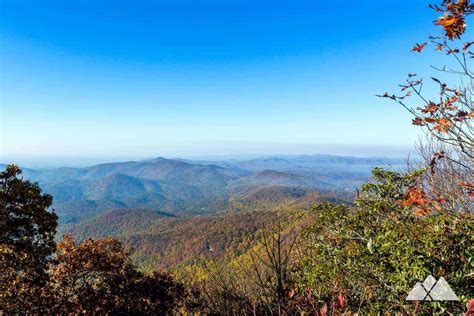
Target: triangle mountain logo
(432, 290)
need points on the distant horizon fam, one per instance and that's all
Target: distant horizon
(361, 151)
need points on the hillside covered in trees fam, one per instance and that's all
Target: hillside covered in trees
(185, 188)
(293, 235)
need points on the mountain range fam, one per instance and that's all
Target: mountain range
(174, 211)
(187, 188)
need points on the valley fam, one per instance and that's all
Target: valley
(200, 188)
(171, 212)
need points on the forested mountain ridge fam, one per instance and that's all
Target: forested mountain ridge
(156, 206)
(159, 241)
(194, 187)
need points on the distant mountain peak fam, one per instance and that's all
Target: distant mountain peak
(157, 159)
(166, 161)
(275, 159)
(275, 174)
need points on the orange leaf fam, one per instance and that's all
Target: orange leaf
(415, 196)
(421, 211)
(430, 109)
(447, 20)
(443, 125)
(439, 47)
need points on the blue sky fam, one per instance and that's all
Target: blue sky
(180, 78)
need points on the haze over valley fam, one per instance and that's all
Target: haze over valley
(160, 205)
(190, 187)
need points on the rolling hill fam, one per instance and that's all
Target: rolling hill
(172, 213)
(189, 188)
(159, 240)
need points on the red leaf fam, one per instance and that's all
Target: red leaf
(469, 307)
(418, 47)
(341, 301)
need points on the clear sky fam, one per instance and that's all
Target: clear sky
(149, 78)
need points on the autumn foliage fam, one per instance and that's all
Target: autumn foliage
(27, 230)
(453, 18)
(406, 226)
(96, 276)
(446, 118)
(93, 277)
(371, 254)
